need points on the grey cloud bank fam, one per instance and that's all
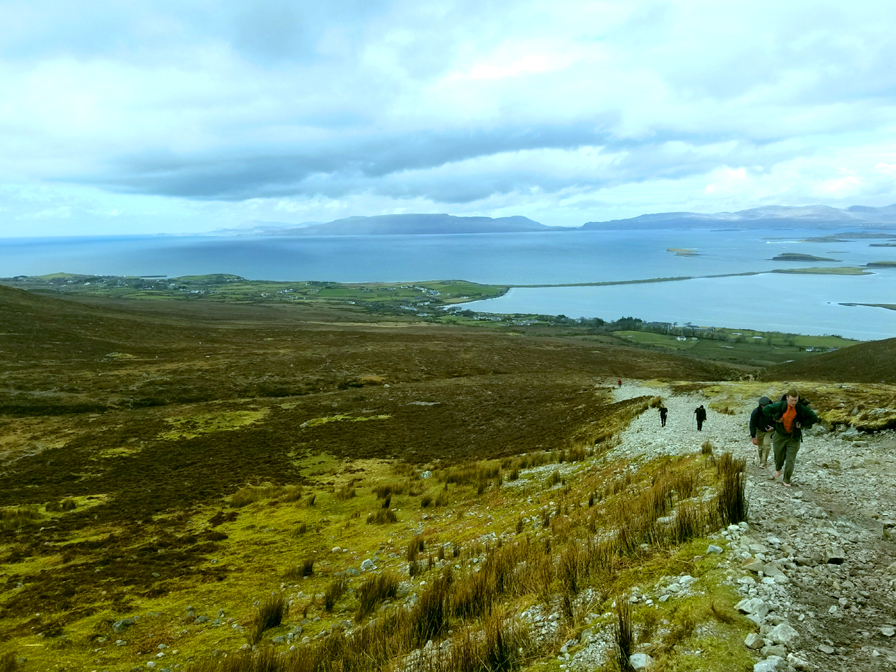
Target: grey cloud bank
(173, 117)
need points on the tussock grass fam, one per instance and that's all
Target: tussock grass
(732, 500)
(633, 515)
(302, 570)
(333, 593)
(624, 634)
(257, 493)
(62, 505)
(373, 591)
(9, 662)
(382, 517)
(415, 545)
(345, 493)
(16, 517)
(269, 614)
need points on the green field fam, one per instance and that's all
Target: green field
(427, 300)
(739, 345)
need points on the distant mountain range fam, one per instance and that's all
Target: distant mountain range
(811, 216)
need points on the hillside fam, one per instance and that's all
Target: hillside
(408, 224)
(809, 217)
(872, 362)
(183, 480)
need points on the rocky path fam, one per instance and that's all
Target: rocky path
(816, 562)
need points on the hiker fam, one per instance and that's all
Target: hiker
(761, 431)
(791, 416)
(663, 412)
(620, 382)
(700, 412)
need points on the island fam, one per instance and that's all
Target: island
(793, 256)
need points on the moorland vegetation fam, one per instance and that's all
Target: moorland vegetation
(218, 486)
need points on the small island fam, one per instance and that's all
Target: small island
(682, 251)
(881, 264)
(824, 270)
(793, 256)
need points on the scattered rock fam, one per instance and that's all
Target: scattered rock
(771, 664)
(640, 661)
(123, 624)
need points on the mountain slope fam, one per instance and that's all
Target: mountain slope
(411, 224)
(811, 216)
(873, 362)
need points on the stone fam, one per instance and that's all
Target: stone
(754, 641)
(714, 549)
(367, 565)
(824, 648)
(888, 631)
(798, 663)
(753, 606)
(755, 566)
(835, 556)
(771, 664)
(640, 661)
(123, 624)
(784, 634)
(771, 569)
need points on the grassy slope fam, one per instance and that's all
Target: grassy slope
(198, 509)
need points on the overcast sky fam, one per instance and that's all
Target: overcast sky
(187, 116)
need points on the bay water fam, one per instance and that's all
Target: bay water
(809, 304)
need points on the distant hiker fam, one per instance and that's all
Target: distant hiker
(663, 412)
(791, 415)
(620, 382)
(700, 412)
(761, 431)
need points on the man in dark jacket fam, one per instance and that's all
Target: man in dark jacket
(791, 415)
(700, 412)
(761, 431)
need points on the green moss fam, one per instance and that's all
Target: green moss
(315, 422)
(186, 427)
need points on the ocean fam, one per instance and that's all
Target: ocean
(809, 304)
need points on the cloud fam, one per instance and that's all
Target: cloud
(454, 104)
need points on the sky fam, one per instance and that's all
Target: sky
(174, 116)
